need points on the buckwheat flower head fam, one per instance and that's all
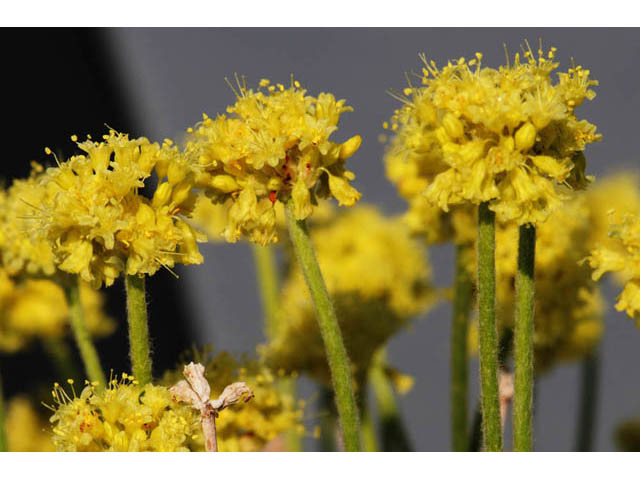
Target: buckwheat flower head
(622, 255)
(20, 252)
(99, 223)
(506, 136)
(274, 145)
(247, 427)
(125, 417)
(35, 308)
(25, 428)
(378, 278)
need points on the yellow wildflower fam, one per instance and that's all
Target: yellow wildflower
(510, 136)
(25, 428)
(125, 417)
(36, 309)
(19, 211)
(378, 278)
(247, 427)
(274, 146)
(98, 222)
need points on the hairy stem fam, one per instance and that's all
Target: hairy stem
(392, 431)
(462, 305)
(81, 334)
(330, 329)
(523, 341)
(487, 331)
(139, 349)
(588, 402)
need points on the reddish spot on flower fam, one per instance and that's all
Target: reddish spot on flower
(272, 196)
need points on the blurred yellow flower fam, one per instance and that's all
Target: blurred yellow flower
(274, 146)
(26, 429)
(36, 309)
(510, 136)
(378, 278)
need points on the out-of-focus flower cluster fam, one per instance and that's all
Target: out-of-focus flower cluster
(273, 146)
(35, 308)
(26, 429)
(506, 136)
(378, 278)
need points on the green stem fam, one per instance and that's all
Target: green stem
(392, 431)
(523, 341)
(267, 275)
(87, 349)
(369, 437)
(588, 402)
(4, 446)
(138, 328)
(330, 329)
(487, 330)
(60, 354)
(462, 304)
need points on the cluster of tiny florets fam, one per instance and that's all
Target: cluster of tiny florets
(273, 147)
(507, 136)
(96, 219)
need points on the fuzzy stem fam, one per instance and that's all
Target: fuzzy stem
(87, 349)
(523, 340)
(138, 328)
(267, 276)
(588, 402)
(487, 330)
(462, 304)
(3, 434)
(330, 329)
(393, 434)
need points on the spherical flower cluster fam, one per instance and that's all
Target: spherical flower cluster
(622, 255)
(568, 304)
(36, 309)
(98, 222)
(508, 136)
(25, 428)
(125, 417)
(247, 427)
(378, 278)
(273, 147)
(21, 252)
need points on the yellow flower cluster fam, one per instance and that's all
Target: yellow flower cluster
(125, 417)
(98, 223)
(247, 427)
(378, 278)
(25, 428)
(508, 137)
(273, 147)
(21, 252)
(36, 308)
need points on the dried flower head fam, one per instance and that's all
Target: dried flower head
(274, 146)
(99, 224)
(473, 134)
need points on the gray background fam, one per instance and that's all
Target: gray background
(172, 76)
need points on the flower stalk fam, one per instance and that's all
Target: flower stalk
(392, 432)
(488, 331)
(138, 328)
(462, 304)
(87, 349)
(329, 328)
(523, 340)
(267, 276)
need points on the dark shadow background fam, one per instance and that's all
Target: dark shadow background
(156, 82)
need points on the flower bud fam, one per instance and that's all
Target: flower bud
(525, 137)
(162, 195)
(453, 126)
(225, 183)
(350, 147)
